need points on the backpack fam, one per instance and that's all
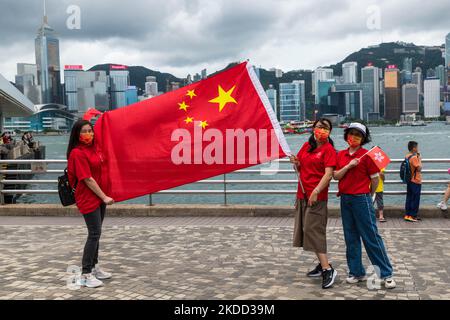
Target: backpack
(66, 193)
(405, 170)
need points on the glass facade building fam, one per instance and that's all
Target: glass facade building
(292, 101)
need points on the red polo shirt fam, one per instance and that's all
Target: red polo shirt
(312, 168)
(84, 163)
(356, 180)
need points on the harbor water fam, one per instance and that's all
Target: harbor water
(434, 142)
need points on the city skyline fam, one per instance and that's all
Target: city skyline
(256, 32)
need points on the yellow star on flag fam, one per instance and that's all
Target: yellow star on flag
(183, 106)
(224, 98)
(188, 120)
(203, 124)
(191, 93)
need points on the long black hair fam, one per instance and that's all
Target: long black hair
(312, 140)
(74, 139)
(366, 138)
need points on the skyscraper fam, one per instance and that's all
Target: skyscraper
(417, 79)
(292, 101)
(440, 73)
(371, 75)
(272, 95)
(410, 94)
(407, 65)
(151, 86)
(447, 51)
(392, 94)
(350, 72)
(432, 95)
(320, 74)
(85, 89)
(47, 61)
(119, 80)
(27, 82)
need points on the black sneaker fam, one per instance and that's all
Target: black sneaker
(317, 272)
(328, 278)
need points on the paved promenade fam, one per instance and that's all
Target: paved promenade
(210, 258)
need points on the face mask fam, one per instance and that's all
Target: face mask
(321, 134)
(86, 138)
(353, 141)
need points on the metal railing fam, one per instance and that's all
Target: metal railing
(224, 181)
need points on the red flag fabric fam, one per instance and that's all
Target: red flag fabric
(91, 113)
(379, 157)
(215, 126)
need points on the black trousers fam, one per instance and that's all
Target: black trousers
(94, 222)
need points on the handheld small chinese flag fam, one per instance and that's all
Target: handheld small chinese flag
(91, 113)
(379, 157)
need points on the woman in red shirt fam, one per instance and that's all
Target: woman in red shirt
(358, 180)
(84, 170)
(315, 163)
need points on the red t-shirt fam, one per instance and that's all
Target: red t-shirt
(83, 163)
(312, 168)
(356, 180)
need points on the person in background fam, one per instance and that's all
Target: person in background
(379, 197)
(414, 186)
(6, 137)
(358, 180)
(443, 204)
(84, 170)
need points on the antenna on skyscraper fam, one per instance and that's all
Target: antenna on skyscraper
(45, 12)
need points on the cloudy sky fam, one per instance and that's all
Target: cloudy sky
(185, 36)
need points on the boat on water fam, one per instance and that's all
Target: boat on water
(298, 127)
(418, 123)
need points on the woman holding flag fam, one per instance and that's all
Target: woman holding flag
(315, 163)
(357, 171)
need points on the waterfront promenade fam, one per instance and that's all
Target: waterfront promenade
(210, 257)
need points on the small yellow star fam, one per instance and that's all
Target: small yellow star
(183, 106)
(191, 93)
(188, 120)
(224, 98)
(203, 124)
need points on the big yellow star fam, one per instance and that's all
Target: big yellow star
(203, 124)
(224, 98)
(191, 93)
(188, 120)
(183, 106)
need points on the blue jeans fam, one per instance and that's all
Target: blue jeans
(359, 222)
(412, 199)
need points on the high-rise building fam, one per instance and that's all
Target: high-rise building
(320, 74)
(119, 80)
(272, 95)
(47, 61)
(410, 95)
(417, 79)
(447, 51)
(292, 101)
(440, 73)
(204, 74)
(323, 89)
(392, 94)
(131, 95)
(151, 86)
(371, 75)
(407, 65)
(350, 72)
(432, 95)
(85, 89)
(27, 82)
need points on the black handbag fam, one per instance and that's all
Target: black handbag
(66, 193)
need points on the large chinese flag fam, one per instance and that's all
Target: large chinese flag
(211, 127)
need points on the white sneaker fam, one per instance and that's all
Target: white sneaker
(441, 205)
(100, 274)
(352, 279)
(389, 283)
(88, 280)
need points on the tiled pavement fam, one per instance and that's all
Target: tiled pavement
(210, 258)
